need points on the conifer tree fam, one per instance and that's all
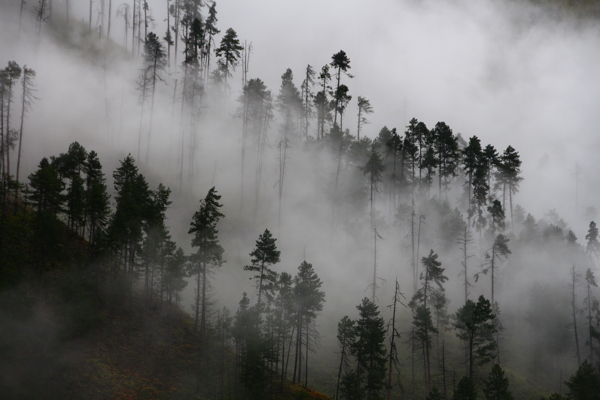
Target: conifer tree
(465, 390)
(473, 323)
(585, 383)
(125, 232)
(322, 103)
(309, 299)
(510, 171)
(27, 99)
(493, 256)
(496, 385)
(209, 254)
(575, 276)
(472, 155)
(394, 333)
(446, 147)
(289, 104)
(373, 169)
(590, 301)
(345, 336)
(307, 98)
(229, 52)
(341, 63)
(154, 63)
(364, 108)
(8, 78)
(97, 205)
(593, 246)
(264, 256)
(435, 394)
(368, 379)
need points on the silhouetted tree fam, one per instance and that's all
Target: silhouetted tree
(341, 63)
(496, 385)
(209, 254)
(465, 390)
(364, 108)
(345, 336)
(264, 255)
(473, 323)
(229, 52)
(585, 383)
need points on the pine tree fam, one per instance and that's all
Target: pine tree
(473, 323)
(341, 63)
(593, 246)
(510, 171)
(364, 108)
(264, 255)
(575, 276)
(471, 157)
(590, 300)
(345, 336)
(493, 256)
(309, 299)
(373, 169)
(255, 109)
(97, 205)
(448, 155)
(209, 254)
(496, 385)
(465, 390)
(435, 394)
(585, 383)
(8, 78)
(289, 104)
(307, 98)
(125, 231)
(27, 99)
(369, 352)
(154, 63)
(322, 102)
(229, 52)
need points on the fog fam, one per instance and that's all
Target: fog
(508, 72)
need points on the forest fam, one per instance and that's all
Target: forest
(190, 213)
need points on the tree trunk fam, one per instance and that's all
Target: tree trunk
(574, 311)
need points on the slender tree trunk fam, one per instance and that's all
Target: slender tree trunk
(337, 176)
(574, 311)
(444, 368)
(373, 296)
(337, 386)
(109, 18)
(23, 106)
(197, 306)
(203, 315)
(471, 340)
(493, 268)
(306, 358)
(133, 26)
(591, 339)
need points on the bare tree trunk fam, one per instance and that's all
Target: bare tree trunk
(24, 102)
(133, 26)
(573, 286)
(589, 301)
(109, 18)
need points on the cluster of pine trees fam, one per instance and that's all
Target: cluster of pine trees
(441, 191)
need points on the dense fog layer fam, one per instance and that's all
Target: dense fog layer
(510, 73)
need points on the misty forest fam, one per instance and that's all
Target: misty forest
(321, 200)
